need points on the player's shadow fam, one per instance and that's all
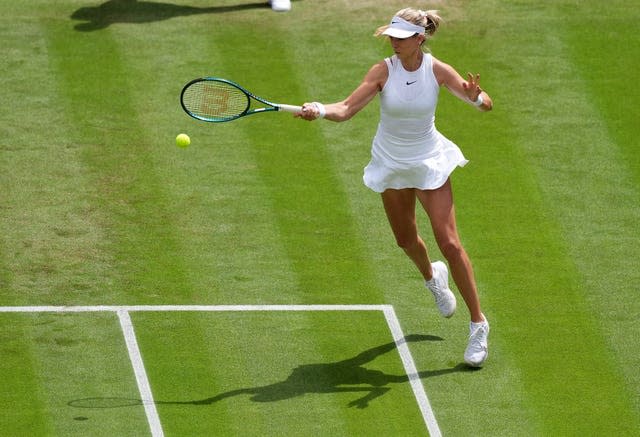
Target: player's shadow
(134, 11)
(347, 376)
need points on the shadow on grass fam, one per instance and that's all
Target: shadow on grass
(134, 11)
(346, 376)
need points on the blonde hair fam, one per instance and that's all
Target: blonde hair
(430, 20)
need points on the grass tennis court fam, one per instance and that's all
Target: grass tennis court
(100, 208)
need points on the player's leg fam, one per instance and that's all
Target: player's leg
(439, 207)
(400, 207)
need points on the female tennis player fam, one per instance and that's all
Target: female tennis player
(411, 160)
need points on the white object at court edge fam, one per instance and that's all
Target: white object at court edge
(280, 5)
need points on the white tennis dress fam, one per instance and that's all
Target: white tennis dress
(407, 150)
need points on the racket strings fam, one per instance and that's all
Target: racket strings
(217, 100)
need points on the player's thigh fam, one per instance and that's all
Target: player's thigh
(400, 207)
(438, 204)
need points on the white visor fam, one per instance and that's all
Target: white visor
(401, 28)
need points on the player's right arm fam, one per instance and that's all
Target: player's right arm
(371, 85)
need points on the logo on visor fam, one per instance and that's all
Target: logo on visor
(411, 83)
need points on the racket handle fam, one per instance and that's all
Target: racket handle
(290, 108)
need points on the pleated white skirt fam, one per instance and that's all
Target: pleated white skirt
(384, 173)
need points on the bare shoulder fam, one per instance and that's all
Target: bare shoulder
(378, 74)
(444, 72)
(379, 69)
(437, 63)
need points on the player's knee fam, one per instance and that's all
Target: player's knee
(406, 242)
(451, 249)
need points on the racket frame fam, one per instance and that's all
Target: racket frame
(247, 111)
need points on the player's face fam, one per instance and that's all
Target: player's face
(405, 46)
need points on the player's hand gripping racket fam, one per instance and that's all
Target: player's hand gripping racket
(217, 100)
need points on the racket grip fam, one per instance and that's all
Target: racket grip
(290, 108)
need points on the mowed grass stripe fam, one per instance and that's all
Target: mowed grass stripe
(24, 407)
(49, 235)
(307, 200)
(567, 332)
(312, 209)
(606, 63)
(611, 206)
(82, 365)
(116, 153)
(218, 206)
(184, 370)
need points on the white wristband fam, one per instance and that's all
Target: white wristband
(321, 109)
(479, 101)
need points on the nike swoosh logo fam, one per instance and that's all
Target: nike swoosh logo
(411, 83)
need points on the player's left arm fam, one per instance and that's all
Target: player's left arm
(466, 90)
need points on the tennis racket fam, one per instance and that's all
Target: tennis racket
(217, 100)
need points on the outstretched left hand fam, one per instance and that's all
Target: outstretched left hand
(472, 87)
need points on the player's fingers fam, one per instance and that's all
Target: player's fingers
(471, 78)
(308, 112)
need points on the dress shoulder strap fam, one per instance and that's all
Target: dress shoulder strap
(391, 62)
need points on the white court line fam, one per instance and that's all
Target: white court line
(131, 308)
(141, 376)
(412, 372)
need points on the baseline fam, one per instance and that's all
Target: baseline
(134, 308)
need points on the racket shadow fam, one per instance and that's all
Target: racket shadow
(137, 12)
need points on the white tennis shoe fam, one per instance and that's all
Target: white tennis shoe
(280, 5)
(439, 287)
(478, 348)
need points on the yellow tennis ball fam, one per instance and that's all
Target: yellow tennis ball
(183, 140)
